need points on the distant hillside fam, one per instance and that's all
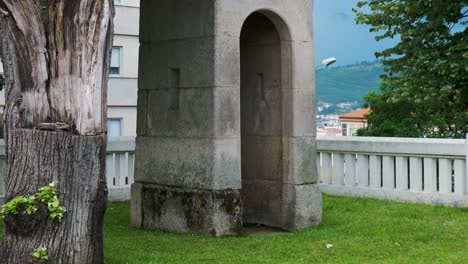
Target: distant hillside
(340, 89)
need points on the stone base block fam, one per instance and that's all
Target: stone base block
(173, 209)
(303, 206)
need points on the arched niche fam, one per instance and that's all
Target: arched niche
(265, 59)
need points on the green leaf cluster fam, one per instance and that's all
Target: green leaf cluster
(426, 72)
(14, 206)
(394, 118)
(41, 254)
(47, 195)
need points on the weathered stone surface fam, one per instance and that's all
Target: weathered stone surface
(299, 109)
(302, 206)
(229, 93)
(226, 69)
(210, 164)
(136, 212)
(193, 118)
(169, 19)
(291, 17)
(190, 210)
(262, 158)
(192, 56)
(262, 202)
(226, 112)
(301, 160)
(142, 113)
(304, 77)
(203, 112)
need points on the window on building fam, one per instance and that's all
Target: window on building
(114, 127)
(115, 61)
(344, 130)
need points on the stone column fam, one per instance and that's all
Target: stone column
(188, 158)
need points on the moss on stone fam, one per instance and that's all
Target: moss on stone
(199, 208)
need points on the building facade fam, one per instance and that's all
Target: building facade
(123, 79)
(351, 122)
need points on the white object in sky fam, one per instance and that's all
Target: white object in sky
(328, 62)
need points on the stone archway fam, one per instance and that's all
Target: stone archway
(194, 166)
(261, 97)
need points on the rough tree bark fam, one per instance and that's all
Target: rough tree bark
(56, 57)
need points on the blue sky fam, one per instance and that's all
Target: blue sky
(337, 35)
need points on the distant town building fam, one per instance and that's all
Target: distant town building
(350, 122)
(328, 125)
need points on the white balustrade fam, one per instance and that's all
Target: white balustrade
(120, 163)
(432, 171)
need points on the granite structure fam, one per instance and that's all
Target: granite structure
(225, 116)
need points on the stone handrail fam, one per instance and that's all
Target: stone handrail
(431, 171)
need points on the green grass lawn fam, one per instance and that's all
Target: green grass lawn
(360, 230)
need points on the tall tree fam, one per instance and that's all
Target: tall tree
(427, 69)
(56, 55)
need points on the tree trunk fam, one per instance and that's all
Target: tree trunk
(41, 157)
(56, 56)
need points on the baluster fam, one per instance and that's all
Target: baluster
(415, 174)
(116, 169)
(388, 173)
(362, 168)
(401, 173)
(338, 169)
(375, 171)
(445, 176)
(350, 170)
(110, 170)
(326, 168)
(123, 169)
(460, 177)
(430, 175)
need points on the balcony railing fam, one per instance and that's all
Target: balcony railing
(432, 171)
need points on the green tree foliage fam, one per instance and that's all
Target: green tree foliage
(425, 90)
(394, 119)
